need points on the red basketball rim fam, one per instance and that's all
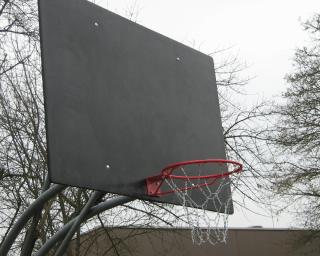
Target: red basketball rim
(167, 171)
(154, 183)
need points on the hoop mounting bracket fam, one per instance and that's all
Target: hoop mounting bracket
(153, 185)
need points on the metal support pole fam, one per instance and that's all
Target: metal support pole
(111, 203)
(31, 235)
(82, 215)
(20, 223)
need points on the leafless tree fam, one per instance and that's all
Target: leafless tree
(295, 134)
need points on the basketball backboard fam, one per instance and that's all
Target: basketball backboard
(122, 101)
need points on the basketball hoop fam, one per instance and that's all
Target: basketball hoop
(212, 179)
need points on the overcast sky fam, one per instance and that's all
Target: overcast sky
(264, 34)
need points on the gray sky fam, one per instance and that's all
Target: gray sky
(264, 34)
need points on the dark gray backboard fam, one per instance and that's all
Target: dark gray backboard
(120, 95)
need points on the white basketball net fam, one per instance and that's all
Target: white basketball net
(206, 226)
